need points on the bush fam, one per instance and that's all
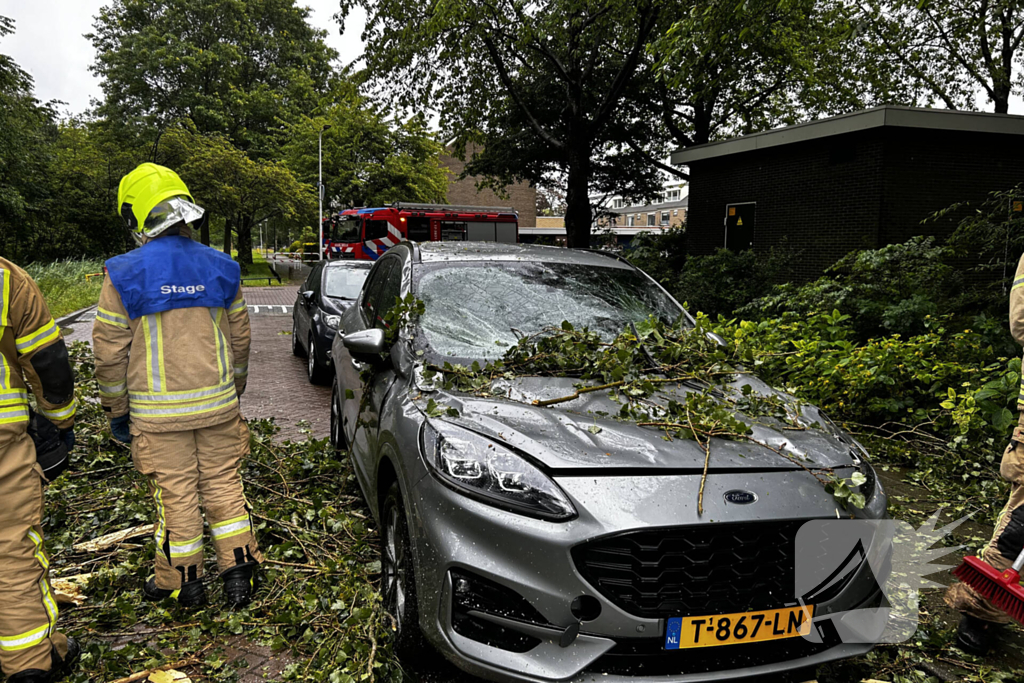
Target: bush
(662, 255)
(724, 281)
(64, 285)
(892, 290)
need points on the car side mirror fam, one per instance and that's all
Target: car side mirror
(307, 296)
(365, 346)
(717, 339)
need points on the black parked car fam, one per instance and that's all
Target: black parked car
(331, 288)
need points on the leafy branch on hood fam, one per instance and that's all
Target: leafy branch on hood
(672, 377)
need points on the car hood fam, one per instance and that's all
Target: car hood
(584, 433)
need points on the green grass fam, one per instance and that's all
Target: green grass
(64, 285)
(260, 268)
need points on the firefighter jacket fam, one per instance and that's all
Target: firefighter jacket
(32, 354)
(171, 336)
(1017, 324)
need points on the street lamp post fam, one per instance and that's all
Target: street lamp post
(320, 191)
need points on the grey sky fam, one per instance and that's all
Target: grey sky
(48, 43)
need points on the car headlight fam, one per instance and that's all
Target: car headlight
(332, 321)
(491, 473)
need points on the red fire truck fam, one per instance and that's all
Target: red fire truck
(368, 233)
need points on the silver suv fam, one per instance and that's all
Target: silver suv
(532, 543)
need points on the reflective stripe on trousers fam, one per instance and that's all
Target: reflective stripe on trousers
(23, 641)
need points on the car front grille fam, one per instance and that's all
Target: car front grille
(694, 570)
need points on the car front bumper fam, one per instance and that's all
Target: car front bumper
(534, 559)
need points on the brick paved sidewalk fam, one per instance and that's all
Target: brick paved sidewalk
(272, 296)
(278, 386)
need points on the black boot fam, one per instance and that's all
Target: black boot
(59, 668)
(975, 636)
(191, 593)
(239, 584)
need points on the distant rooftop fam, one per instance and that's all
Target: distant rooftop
(894, 117)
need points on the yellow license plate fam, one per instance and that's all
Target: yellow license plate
(742, 627)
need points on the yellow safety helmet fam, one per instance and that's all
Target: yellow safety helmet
(143, 190)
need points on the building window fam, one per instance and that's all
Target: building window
(673, 195)
(675, 212)
(650, 219)
(664, 217)
(618, 203)
(630, 221)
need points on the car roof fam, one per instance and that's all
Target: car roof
(434, 252)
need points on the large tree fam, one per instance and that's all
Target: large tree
(726, 68)
(237, 67)
(945, 51)
(368, 158)
(26, 128)
(541, 88)
(241, 191)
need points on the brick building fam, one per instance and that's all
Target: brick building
(858, 181)
(665, 214)
(521, 196)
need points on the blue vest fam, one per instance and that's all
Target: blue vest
(173, 272)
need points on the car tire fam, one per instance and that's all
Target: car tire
(398, 578)
(316, 372)
(337, 433)
(296, 344)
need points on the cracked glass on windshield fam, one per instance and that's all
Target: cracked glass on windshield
(475, 311)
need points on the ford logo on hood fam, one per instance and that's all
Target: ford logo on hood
(740, 497)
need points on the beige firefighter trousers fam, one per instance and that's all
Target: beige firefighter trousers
(1007, 541)
(28, 611)
(182, 468)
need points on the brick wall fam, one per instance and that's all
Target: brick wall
(550, 222)
(826, 197)
(520, 196)
(818, 198)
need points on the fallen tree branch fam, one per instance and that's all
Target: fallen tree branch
(143, 675)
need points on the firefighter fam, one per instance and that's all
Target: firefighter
(171, 340)
(979, 619)
(32, 354)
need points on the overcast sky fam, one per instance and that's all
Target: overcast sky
(48, 43)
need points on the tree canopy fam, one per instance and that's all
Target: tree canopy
(541, 88)
(931, 52)
(369, 159)
(237, 67)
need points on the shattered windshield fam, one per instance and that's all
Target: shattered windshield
(477, 310)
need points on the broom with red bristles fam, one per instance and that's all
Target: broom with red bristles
(1001, 588)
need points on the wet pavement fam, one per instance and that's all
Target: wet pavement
(278, 386)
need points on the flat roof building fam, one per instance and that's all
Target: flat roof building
(858, 181)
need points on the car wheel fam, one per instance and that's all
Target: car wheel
(337, 434)
(314, 370)
(398, 580)
(296, 344)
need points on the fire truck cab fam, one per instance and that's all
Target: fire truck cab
(368, 233)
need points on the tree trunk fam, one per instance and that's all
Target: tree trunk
(227, 237)
(578, 215)
(245, 244)
(204, 231)
(1002, 98)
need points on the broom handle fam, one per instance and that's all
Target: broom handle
(1019, 562)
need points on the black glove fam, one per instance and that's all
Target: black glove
(69, 437)
(119, 428)
(50, 443)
